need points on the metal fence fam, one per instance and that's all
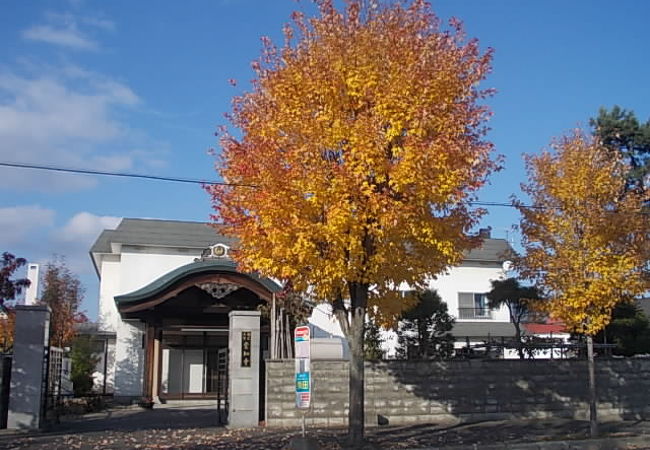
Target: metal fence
(58, 382)
(538, 348)
(475, 313)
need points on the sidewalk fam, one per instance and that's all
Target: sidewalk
(195, 428)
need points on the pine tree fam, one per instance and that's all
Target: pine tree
(425, 331)
(372, 341)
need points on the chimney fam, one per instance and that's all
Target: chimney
(32, 291)
(485, 233)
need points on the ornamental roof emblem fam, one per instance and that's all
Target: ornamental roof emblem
(216, 251)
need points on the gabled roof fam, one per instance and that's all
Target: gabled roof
(492, 250)
(162, 233)
(200, 235)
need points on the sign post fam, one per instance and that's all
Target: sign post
(302, 339)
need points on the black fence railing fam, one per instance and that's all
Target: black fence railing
(475, 313)
(545, 348)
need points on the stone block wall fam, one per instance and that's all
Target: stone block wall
(409, 392)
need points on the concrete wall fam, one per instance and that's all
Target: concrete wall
(402, 392)
(28, 371)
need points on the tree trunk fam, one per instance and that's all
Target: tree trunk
(593, 413)
(516, 322)
(356, 415)
(520, 347)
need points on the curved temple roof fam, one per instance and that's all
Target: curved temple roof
(163, 283)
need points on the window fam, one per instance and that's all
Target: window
(473, 305)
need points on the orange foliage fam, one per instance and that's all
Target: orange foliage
(361, 144)
(586, 240)
(63, 293)
(7, 327)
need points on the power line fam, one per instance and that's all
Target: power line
(215, 183)
(121, 174)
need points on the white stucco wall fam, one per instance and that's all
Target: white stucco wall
(323, 318)
(138, 268)
(129, 358)
(132, 269)
(474, 278)
(109, 287)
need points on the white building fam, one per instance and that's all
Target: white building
(463, 288)
(166, 288)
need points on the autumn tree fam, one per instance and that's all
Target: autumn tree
(425, 330)
(518, 299)
(9, 289)
(63, 293)
(358, 148)
(585, 237)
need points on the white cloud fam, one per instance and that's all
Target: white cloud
(83, 228)
(65, 30)
(75, 237)
(43, 109)
(68, 118)
(65, 36)
(18, 222)
(99, 22)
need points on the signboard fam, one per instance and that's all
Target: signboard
(246, 348)
(302, 340)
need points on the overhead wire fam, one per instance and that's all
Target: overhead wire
(211, 182)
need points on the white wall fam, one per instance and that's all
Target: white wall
(138, 269)
(109, 287)
(121, 274)
(132, 270)
(323, 318)
(129, 358)
(469, 278)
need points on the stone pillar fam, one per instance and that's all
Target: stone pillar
(244, 369)
(29, 369)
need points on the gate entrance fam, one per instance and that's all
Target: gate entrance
(189, 363)
(222, 385)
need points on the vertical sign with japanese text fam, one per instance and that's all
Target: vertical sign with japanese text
(246, 348)
(302, 341)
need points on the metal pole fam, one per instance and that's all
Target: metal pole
(593, 411)
(274, 354)
(281, 334)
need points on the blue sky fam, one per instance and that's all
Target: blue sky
(140, 87)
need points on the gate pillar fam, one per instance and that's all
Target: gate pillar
(27, 394)
(244, 368)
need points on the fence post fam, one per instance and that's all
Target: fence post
(28, 389)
